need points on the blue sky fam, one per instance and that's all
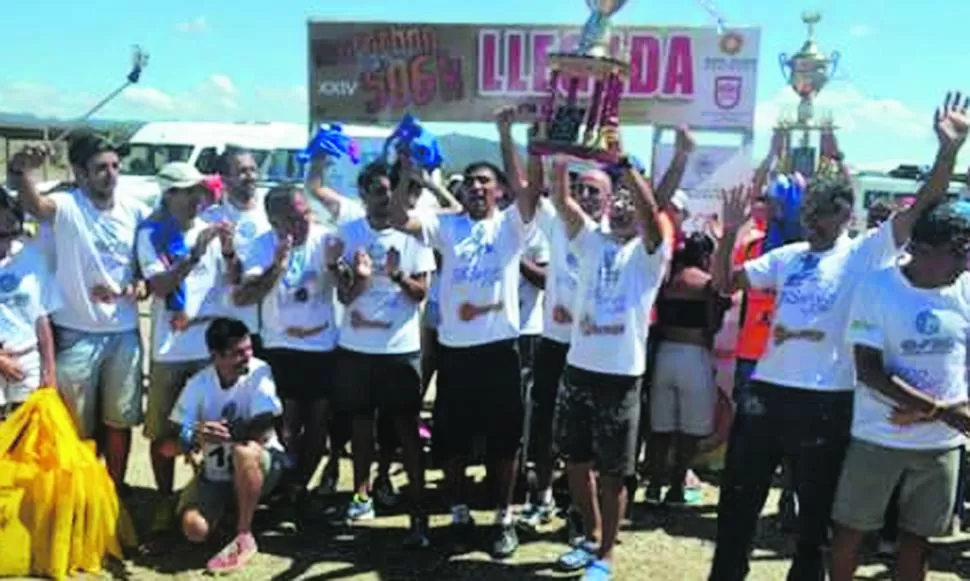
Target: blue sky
(246, 59)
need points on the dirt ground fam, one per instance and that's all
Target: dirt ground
(671, 546)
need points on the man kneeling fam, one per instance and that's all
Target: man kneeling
(227, 412)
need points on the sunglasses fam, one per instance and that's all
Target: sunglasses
(586, 189)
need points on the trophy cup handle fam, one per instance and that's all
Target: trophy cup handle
(834, 60)
(785, 64)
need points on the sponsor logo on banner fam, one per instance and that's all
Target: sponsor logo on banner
(732, 43)
(727, 92)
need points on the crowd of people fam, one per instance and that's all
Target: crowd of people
(566, 316)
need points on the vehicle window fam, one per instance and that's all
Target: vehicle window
(208, 162)
(145, 159)
(283, 165)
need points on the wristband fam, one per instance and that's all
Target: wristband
(187, 437)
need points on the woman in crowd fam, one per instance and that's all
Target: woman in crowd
(689, 313)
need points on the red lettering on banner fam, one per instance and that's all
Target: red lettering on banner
(515, 63)
(400, 84)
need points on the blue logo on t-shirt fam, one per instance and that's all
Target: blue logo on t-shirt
(807, 270)
(927, 323)
(9, 282)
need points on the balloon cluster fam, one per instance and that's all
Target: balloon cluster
(331, 141)
(784, 223)
(411, 137)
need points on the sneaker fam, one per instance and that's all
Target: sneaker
(575, 529)
(234, 556)
(164, 519)
(579, 557)
(418, 533)
(653, 495)
(360, 509)
(598, 571)
(507, 542)
(384, 492)
(675, 497)
(534, 515)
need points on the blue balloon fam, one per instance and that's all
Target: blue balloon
(416, 140)
(331, 140)
(168, 240)
(785, 224)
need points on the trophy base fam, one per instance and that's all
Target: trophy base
(582, 66)
(584, 152)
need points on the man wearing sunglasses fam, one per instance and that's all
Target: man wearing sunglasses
(799, 404)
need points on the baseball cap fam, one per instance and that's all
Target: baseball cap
(179, 175)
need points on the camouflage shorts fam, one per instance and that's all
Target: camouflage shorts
(597, 418)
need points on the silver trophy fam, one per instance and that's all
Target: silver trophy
(595, 39)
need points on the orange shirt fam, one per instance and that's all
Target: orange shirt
(757, 307)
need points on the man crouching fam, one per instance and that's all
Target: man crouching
(227, 412)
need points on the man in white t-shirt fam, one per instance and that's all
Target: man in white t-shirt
(183, 260)
(478, 387)
(226, 413)
(244, 210)
(286, 271)
(909, 326)
(28, 295)
(379, 362)
(598, 406)
(96, 331)
(799, 402)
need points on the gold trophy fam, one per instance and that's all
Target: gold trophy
(584, 130)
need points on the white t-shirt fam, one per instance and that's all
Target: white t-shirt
(249, 225)
(618, 284)
(28, 291)
(922, 334)
(480, 275)
(562, 275)
(383, 302)
(303, 300)
(205, 400)
(203, 298)
(95, 247)
(531, 296)
(814, 293)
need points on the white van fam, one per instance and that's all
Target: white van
(897, 186)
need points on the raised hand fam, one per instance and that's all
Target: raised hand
(684, 142)
(29, 159)
(505, 116)
(11, 369)
(392, 262)
(282, 254)
(735, 209)
(363, 266)
(204, 240)
(226, 232)
(951, 122)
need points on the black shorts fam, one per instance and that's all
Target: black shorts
(597, 418)
(549, 364)
(479, 394)
(366, 382)
(302, 376)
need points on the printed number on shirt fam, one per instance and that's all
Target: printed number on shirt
(218, 462)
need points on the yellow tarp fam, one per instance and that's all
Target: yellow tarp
(59, 512)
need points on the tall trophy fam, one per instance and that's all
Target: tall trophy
(584, 128)
(807, 73)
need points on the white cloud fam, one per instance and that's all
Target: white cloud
(224, 84)
(295, 97)
(194, 26)
(149, 97)
(861, 31)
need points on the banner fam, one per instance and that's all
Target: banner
(374, 72)
(710, 169)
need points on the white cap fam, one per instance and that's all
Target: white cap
(179, 175)
(679, 200)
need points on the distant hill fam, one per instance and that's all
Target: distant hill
(460, 150)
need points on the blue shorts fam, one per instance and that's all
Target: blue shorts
(99, 376)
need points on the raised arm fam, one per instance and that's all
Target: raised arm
(728, 279)
(779, 146)
(255, 288)
(23, 176)
(527, 197)
(646, 206)
(567, 208)
(328, 197)
(511, 163)
(448, 202)
(951, 124)
(683, 147)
